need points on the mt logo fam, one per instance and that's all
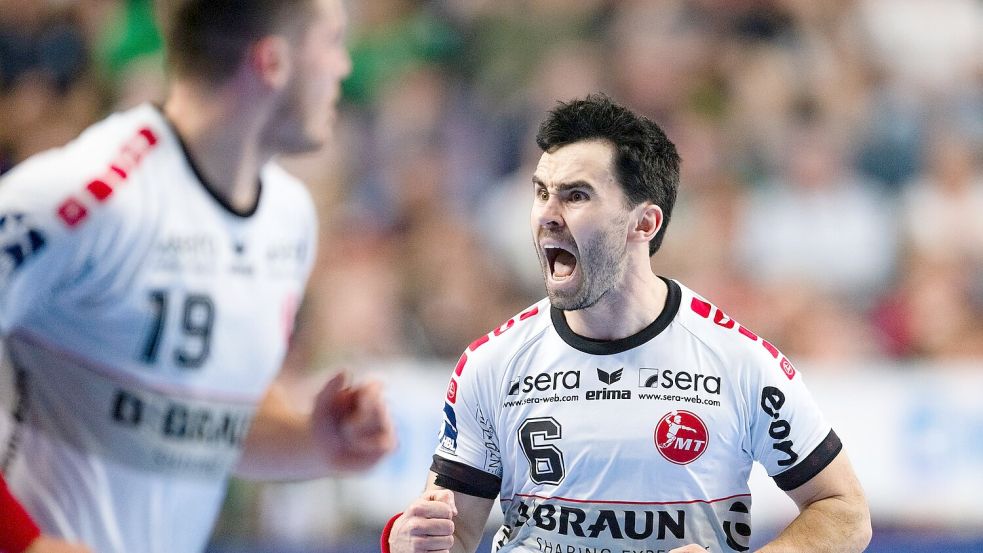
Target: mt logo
(681, 437)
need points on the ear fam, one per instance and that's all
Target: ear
(648, 221)
(269, 59)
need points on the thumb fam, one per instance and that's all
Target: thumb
(444, 496)
(333, 390)
(335, 400)
(335, 384)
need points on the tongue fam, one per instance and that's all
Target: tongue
(564, 264)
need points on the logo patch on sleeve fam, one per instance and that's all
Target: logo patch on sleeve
(452, 392)
(448, 430)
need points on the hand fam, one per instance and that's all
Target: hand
(351, 424)
(691, 548)
(426, 526)
(45, 544)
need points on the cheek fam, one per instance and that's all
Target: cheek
(536, 218)
(317, 79)
(313, 104)
(311, 87)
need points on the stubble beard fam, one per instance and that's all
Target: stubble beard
(601, 262)
(287, 132)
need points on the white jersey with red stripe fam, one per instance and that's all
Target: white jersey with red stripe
(639, 444)
(142, 322)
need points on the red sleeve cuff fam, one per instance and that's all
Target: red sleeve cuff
(17, 529)
(384, 541)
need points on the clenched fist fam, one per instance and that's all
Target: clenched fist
(426, 526)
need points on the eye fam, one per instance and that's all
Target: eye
(578, 196)
(542, 194)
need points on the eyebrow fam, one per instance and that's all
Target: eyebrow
(564, 186)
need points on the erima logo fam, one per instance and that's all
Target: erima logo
(609, 377)
(604, 393)
(680, 380)
(546, 381)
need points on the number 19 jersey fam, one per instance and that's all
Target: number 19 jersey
(639, 444)
(142, 322)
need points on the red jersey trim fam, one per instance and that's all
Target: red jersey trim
(17, 529)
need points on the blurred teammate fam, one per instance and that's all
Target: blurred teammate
(571, 413)
(150, 272)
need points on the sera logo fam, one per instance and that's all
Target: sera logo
(681, 437)
(669, 379)
(545, 382)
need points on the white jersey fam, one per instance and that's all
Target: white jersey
(143, 321)
(641, 444)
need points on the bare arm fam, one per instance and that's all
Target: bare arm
(833, 514)
(441, 520)
(45, 544)
(348, 429)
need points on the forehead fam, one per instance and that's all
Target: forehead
(588, 160)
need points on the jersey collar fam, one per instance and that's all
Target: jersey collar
(209, 187)
(611, 347)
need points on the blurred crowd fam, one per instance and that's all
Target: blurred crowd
(832, 177)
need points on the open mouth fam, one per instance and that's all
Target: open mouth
(561, 262)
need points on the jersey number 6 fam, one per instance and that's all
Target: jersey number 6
(545, 460)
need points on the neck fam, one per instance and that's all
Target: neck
(223, 138)
(623, 310)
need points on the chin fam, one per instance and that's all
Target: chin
(320, 135)
(582, 297)
(569, 304)
(565, 301)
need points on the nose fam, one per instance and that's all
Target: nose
(344, 60)
(548, 213)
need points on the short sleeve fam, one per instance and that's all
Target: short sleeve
(468, 458)
(789, 435)
(42, 230)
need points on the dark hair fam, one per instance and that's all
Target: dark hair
(208, 39)
(646, 163)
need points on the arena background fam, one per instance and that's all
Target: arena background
(831, 200)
